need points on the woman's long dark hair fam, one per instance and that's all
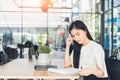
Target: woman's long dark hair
(80, 25)
(77, 47)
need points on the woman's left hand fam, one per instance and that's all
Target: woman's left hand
(85, 72)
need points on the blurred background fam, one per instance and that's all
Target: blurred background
(46, 22)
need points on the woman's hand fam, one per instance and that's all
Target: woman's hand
(88, 71)
(69, 41)
(85, 72)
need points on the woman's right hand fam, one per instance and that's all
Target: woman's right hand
(69, 41)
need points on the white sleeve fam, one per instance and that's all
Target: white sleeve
(100, 58)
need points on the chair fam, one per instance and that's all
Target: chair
(3, 58)
(11, 52)
(113, 67)
(36, 52)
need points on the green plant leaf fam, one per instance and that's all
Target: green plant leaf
(44, 49)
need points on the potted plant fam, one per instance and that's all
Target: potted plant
(44, 57)
(44, 49)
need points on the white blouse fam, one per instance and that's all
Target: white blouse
(92, 54)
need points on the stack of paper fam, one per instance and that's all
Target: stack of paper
(64, 70)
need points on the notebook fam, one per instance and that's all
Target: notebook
(67, 71)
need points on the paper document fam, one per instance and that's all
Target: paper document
(64, 70)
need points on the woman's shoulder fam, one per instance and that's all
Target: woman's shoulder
(97, 48)
(95, 44)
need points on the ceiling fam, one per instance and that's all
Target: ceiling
(28, 13)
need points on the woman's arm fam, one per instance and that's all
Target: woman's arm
(67, 60)
(97, 72)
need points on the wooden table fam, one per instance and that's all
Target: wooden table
(24, 69)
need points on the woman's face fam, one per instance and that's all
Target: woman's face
(78, 35)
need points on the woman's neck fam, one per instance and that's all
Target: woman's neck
(86, 42)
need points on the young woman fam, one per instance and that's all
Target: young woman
(87, 55)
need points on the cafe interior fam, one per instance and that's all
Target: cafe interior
(26, 24)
